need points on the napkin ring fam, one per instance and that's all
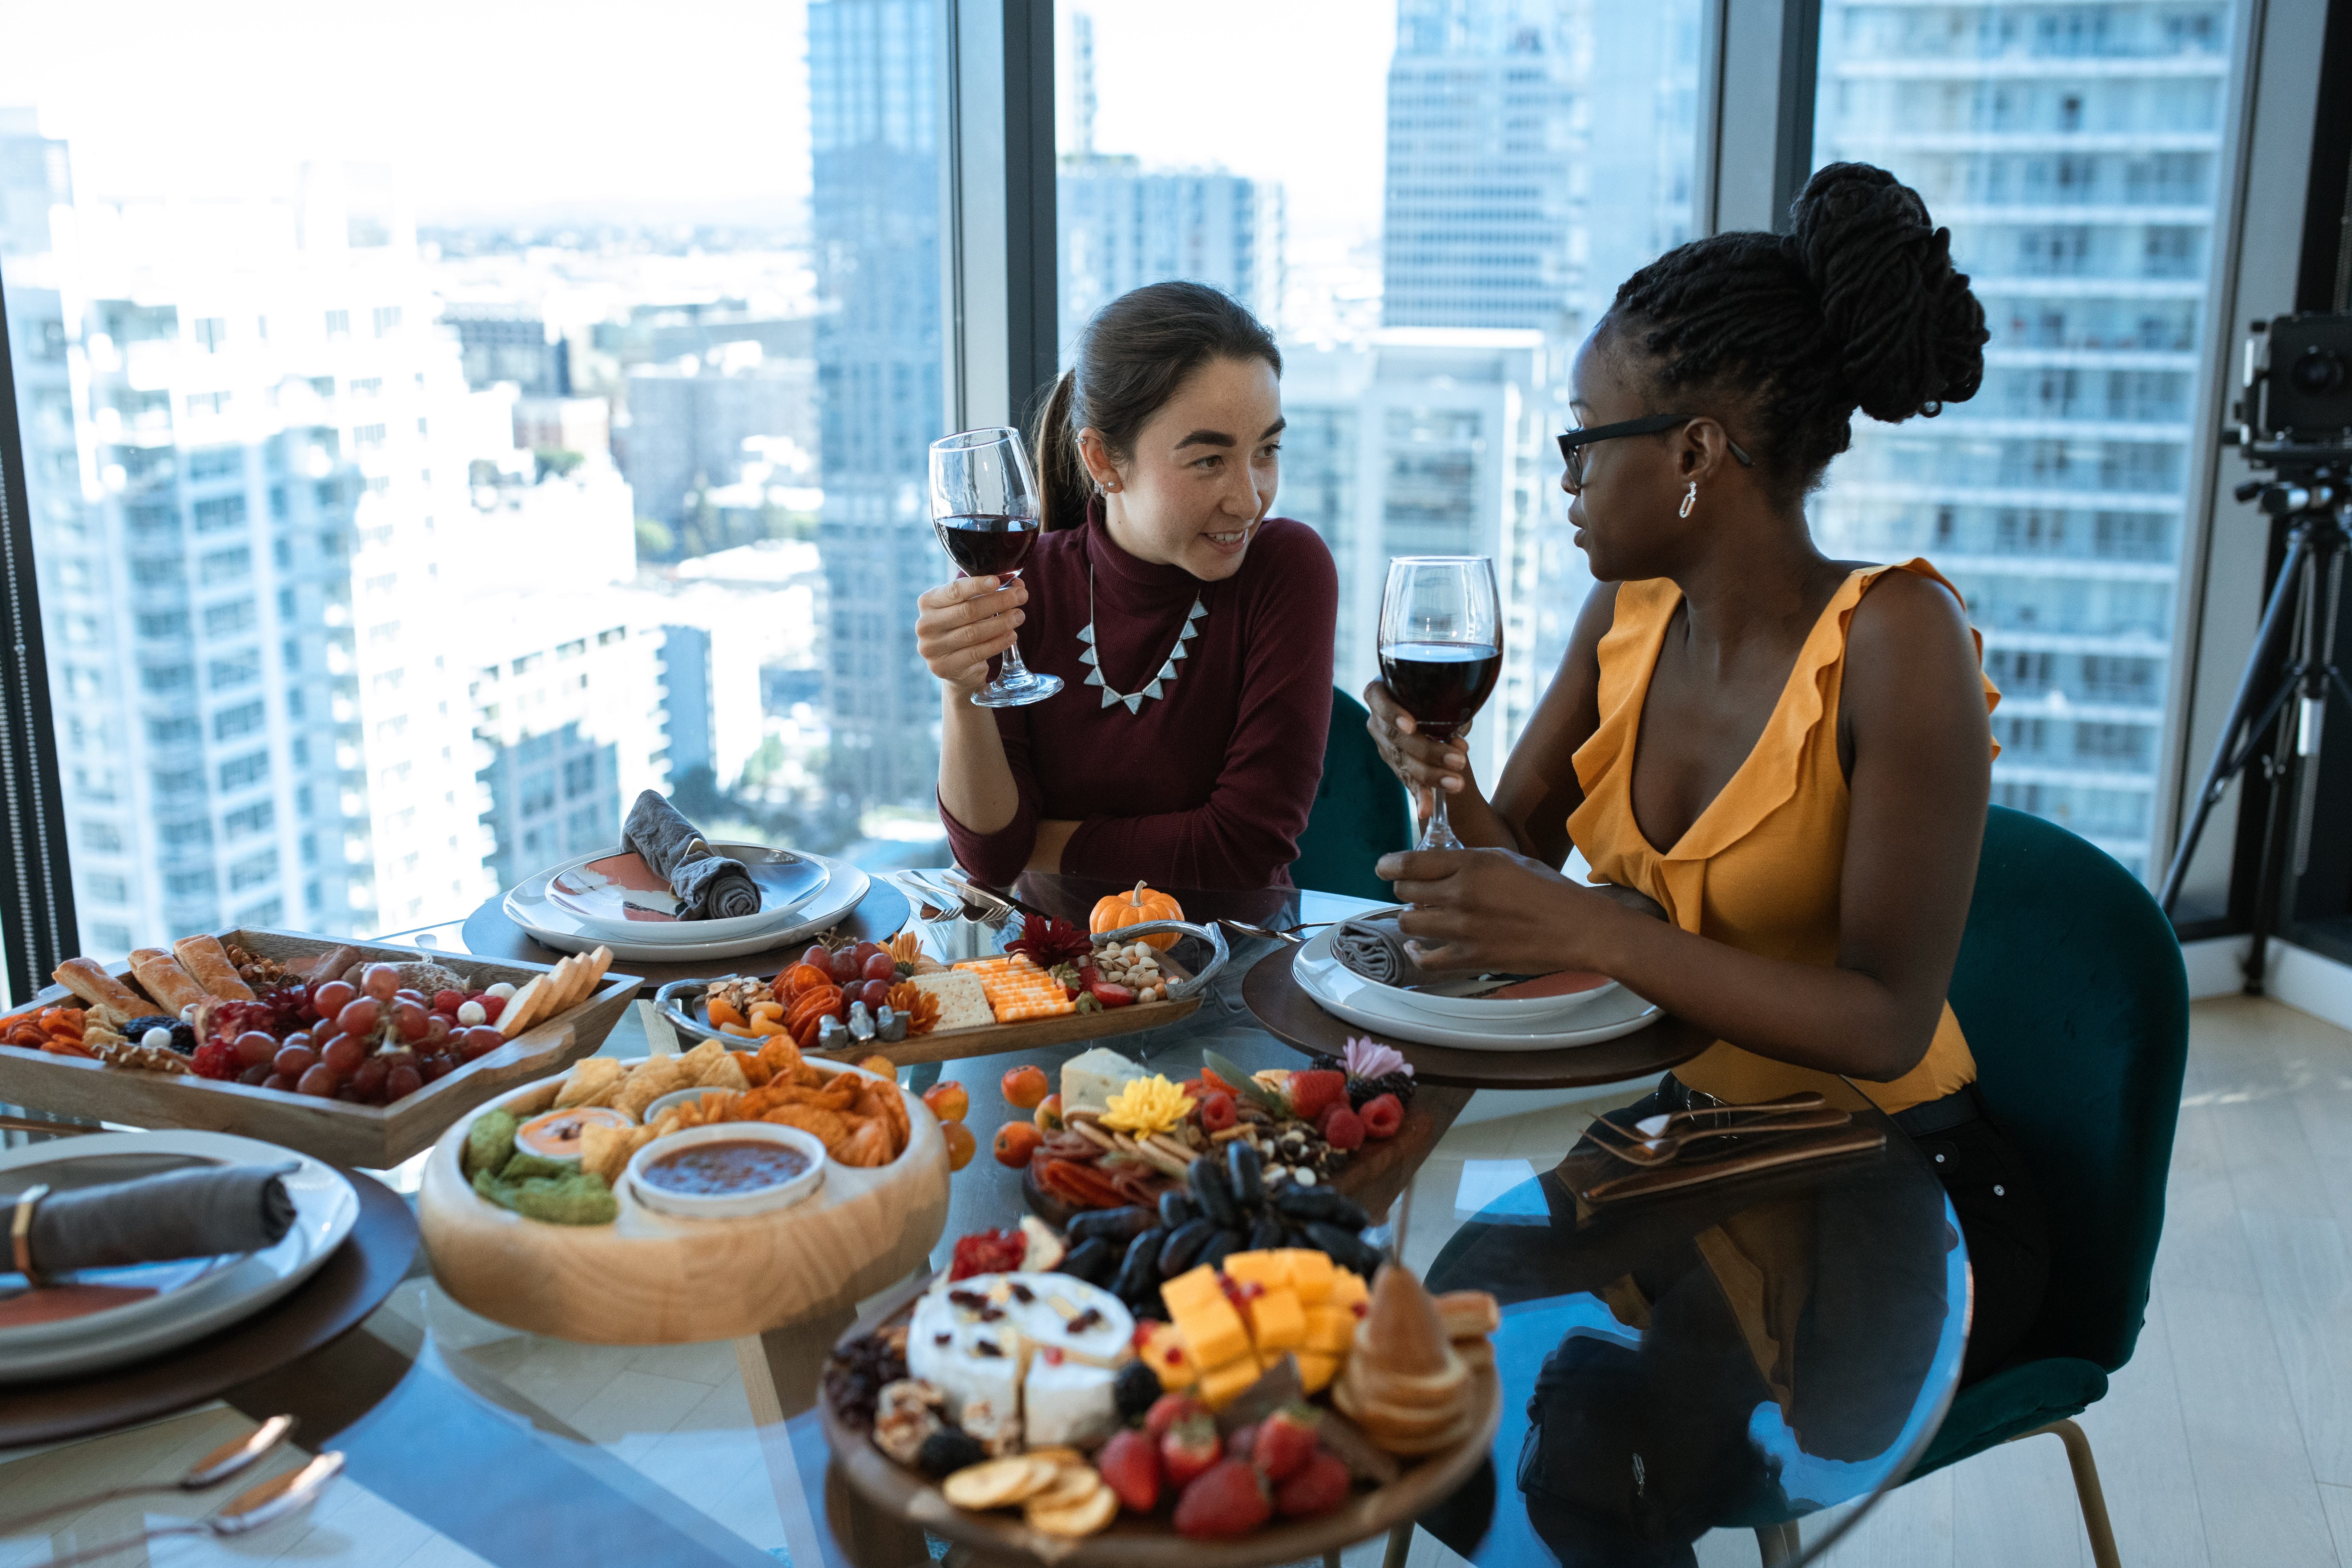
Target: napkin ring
(20, 1235)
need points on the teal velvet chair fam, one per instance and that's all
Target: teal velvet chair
(2071, 991)
(1360, 812)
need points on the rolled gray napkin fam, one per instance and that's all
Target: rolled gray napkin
(194, 1213)
(709, 886)
(1375, 949)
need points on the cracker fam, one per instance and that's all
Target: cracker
(998, 1483)
(699, 1061)
(516, 1016)
(724, 1073)
(1073, 1484)
(963, 1001)
(591, 1081)
(657, 1077)
(1086, 1517)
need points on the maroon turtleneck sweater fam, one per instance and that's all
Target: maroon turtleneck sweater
(1207, 785)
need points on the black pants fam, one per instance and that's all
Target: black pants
(1999, 1208)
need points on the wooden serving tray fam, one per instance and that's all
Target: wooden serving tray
(650, 1279)
(1133, 1542)
(370, 1137)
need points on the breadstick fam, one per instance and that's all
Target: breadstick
(164, 980)
(208, 964)
(96, 987)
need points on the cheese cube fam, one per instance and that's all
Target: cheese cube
(1346, 1288)
(1329, 1331)
(1192, 1291)
(1277, 1322)
(1163, 1351)
(1271, 1270)
(1220, 1386)
(1315, 1372)
(1310, 1275)
(1213, 1335)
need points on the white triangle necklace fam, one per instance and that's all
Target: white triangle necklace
(1088, 655)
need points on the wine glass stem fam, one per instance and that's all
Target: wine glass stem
(1439, 833)
(1013, 672)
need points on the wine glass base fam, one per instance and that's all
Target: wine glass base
(1016, 693)
(1440, 836)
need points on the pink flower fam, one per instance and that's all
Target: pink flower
(1364, 1059)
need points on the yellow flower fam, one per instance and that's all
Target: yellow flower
(1147, 1105)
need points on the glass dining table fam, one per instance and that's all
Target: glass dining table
(1684, 1376)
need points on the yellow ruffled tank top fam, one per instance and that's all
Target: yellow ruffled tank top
(1761, 867)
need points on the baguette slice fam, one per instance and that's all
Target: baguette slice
(94, 985)
(160, 974)
(208, 964)
(516, 1016)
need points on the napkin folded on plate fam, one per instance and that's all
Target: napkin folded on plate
(194, 1213)
(1376, 950)
(710, 887)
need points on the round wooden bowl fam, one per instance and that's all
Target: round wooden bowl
(650, 1279)
(1134, 1543)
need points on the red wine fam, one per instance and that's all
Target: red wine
(1441, 684)
(988, 546)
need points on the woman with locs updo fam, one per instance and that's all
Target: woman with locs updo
(1191, 632)
(1777, 764)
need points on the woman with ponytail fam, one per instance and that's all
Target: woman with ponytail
(1777, 764)
(1191, 632)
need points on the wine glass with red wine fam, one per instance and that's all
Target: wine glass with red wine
(1441, 651)
(984, 506)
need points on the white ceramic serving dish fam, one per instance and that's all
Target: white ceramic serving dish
(727, 1205)
(1347, 995)
(552, 925)
(573, 1157)
(1520, 1012)
(193, 1297)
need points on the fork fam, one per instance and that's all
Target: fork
(1659, 1150)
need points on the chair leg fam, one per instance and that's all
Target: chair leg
(2086, 1489)
(1400, 1547)
(1778, 1543)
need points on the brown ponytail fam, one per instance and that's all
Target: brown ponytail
(1136, 354)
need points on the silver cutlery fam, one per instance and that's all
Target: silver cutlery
(275, 1498)
(1659, 1150)
(1651, 1126)
(232, 1458)
(1286, 933)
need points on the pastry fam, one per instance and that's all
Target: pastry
(208, 964)
(1403, 1383)
(96, 987)
(162, 978)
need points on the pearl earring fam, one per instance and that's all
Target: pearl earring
(1690, 498)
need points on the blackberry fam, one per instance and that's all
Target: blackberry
(946, 1452)
(1137, 1390)
(856, 1376)
(1361, 1089)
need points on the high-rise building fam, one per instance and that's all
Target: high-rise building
(2075, 152)
(874, 209)
(1484, 153)
(689, 419)
(1122, 226)
(1429, 442)
(36, 178)
(505, 340)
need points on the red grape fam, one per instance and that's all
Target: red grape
(334, 997)
(343, 1054)
(844, 966)
(408, 1020)
(293, 1061)
(819, 955)
(369, 1078)
(277, 1080)
(491, 1007)
(253, 1047)
(320, 1080)
(479, 1041)
(257, 1073)
(409, 993)
(402, 1081)
(437, 1067)
(874, 993)
(436, 1029)
(881, 966)
(866, 951)
(359, 1016)
(449, 1002)
(380, 980)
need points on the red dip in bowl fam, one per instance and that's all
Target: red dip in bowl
(720, 1169)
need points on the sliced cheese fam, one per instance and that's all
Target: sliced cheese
(1091, 1077)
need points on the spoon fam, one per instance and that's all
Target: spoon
(272, 1500)
(231, 1458)
(1287, 933)
(1658, 1151)
(1650, 1126)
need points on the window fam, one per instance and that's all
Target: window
(220, 513)
(210, 333)
(242, 719)
(252, 871)
(225, 566)
(2061, 490)
(228, 619)
(240, 772)
(252, 819)
(242, 667)
(339, 325)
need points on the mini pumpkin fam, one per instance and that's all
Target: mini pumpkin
(1119, 911)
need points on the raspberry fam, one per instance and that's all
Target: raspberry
(1343, 1129)
(1313, 1091)
(1383, 1115)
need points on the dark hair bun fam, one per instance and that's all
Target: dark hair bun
(1907, 334)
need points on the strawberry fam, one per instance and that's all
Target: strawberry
(1188, 1448)
(1168, 1410)
(1285, 1441)
(1383, 1115)
(1228, 1500)
(1317, 1487)
(1240, 1441)
(1343, 1129)
(1218, 1112)
(1129, 1466)
(1110, 994)
(1310, 1092)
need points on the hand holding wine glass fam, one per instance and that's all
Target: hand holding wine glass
(1441, 650)
(984, 508)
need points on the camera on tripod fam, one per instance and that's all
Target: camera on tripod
(2296, 411)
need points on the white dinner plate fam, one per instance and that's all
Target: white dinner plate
(552, 925)
(1523, 1015)
(193, 1296)
(1346, 994)
(615, 892)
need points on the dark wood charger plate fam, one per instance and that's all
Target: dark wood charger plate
(349, 1286)
(879, 917)
(1131, 1541)
(1288, 1012)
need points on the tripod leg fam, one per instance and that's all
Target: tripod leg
(2219, 772)
(2285, 775)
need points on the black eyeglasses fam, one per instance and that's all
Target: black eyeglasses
(1573, 442)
